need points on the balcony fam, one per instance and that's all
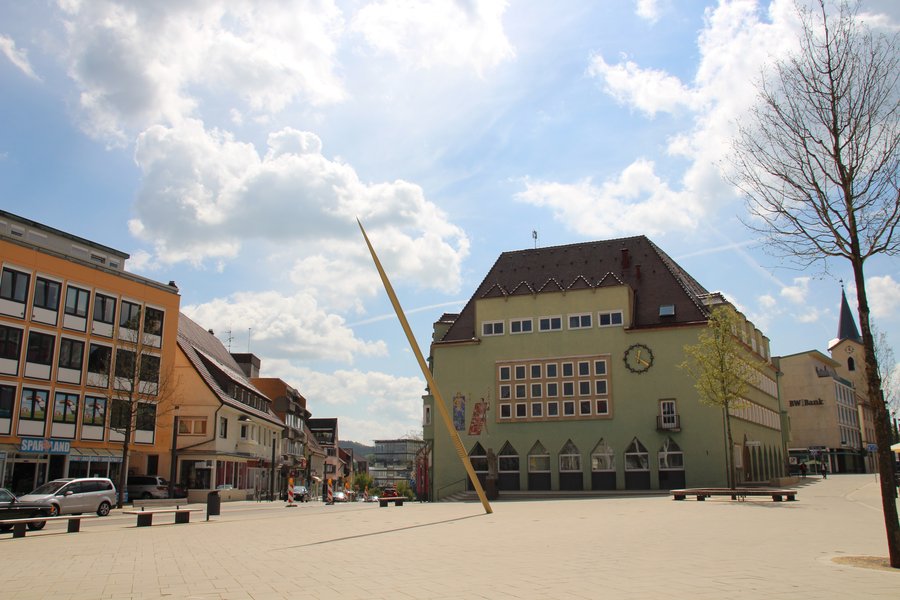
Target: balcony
(668, 423)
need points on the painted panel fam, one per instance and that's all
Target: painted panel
(14, 309)
(103, 329)
(74, 323)
(9, 366)
(42, 315)
(68, 375)
(35, 428)
(63, 430)
(92, 432)
(36, 371)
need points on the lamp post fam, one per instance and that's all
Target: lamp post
(173, 467)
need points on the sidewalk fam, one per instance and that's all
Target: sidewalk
(642, 547)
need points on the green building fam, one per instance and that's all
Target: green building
(561, 373)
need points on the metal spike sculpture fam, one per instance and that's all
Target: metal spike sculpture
(438, 400)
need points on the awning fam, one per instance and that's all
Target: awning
(896, 448)
(94, 455)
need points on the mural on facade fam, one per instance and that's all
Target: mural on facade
(459, 412)
(479, 417)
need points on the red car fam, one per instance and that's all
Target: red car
(390, 493)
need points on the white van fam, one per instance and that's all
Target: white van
(76, 496)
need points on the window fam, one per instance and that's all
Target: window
(7, 401)
(603, 458)
(40, 348)
(602, 407)
(568, 389)
(65, 409)
(146, 416)
(153, 321)
(191, 426)
(505, 411)
(521, 410)
(553, 409)
(150, 368)
(579, 321)
(584, 368)
(600, 385)
(552, 390)
(505, 392)
(520, 326)
(552, 370)
(77, 301)
(14, 285)
(636, 457)
(46, 294)
(223, 427)
(504, 373)
(569, 458)
(508, 459)
(537, 409)
(119, 415)
(492, 328)
(94, 411)
(568, 370)
(10, 343)
(520, 390)
(536, 390)
(426, 416)
(569, 408)
(130, 317)
(599, 367)
(584, 407)
(71, 354)
(550, 323)
(670, 456)
(125, 364)
(538, 459)
(584, 388)
(520, 371)
(536, 371)
(668, 417)
(667, 310)
(99, 359)
(104, 309)
(34, 405)
(610, 318)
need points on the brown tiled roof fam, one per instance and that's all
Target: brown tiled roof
(206, 352)
(636, 261)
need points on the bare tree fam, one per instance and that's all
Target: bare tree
(818, 159)
(722, 370)
(889, 370)
(139, 391)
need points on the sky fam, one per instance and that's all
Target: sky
(230, 146)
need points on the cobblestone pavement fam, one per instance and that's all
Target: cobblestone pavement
(622, 547)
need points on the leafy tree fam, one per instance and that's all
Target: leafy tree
(722, 369)
(818, 158)
(403, 489)
(361, 481)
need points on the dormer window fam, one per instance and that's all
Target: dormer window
(667, 310)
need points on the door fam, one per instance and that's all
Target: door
(667, 412)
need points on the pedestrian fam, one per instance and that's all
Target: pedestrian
(803, 470)
(824, 470)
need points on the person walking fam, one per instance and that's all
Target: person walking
(803, 470)
(824, 470)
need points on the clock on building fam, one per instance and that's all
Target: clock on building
(638, 358)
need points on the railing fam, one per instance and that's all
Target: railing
(668, 422)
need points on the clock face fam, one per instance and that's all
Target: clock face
(638, 358)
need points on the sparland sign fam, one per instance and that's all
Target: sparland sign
(44, 446)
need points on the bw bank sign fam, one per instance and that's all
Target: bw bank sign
(44, 446)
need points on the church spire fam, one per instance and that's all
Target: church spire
(847, 326)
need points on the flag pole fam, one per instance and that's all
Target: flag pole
(438, 400)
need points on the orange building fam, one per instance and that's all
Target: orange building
(86, 355)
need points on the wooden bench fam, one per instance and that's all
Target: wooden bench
(19, 525)
(397, 500)
(145, 517)
(736, 494)
(156, 502)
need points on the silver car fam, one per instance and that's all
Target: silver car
(76, 496)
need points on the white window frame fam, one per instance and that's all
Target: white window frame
(550, 327)
(489, 328)
(555, 404)
(610, 314)
(505, 407)
(581, 321)
(521, 324)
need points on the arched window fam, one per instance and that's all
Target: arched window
(569, 458)
(851, 364)
(671, 458)
(538, 459)
(478, 458)
(603, 467)
(508, 468)
(636, 457)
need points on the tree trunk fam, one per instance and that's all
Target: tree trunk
(123, 470)
(732, 474)
(882, 421)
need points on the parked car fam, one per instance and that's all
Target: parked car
(76, 496)
(14, 508)
(147, 486)
(301, 494)
(340, 496)
(389, 492)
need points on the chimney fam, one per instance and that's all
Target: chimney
(637, 269)
(626, 261)
(248, 362)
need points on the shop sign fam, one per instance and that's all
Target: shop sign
(806, 402)
(44, 446)
(872, 447)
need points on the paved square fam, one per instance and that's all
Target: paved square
(636, 547)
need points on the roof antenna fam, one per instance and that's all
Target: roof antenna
(228, 339)
(534, 236)
(249, 329)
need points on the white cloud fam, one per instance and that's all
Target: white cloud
(370, 405)
(767, 301)
(648, 10)
(141, 63)
(205, 194)
(639, 199)
(19, 58)
(292, 326)
(648, 90)
(884, 296)
(430, 33)
(796, 293)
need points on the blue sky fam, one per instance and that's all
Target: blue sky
(230, 145)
